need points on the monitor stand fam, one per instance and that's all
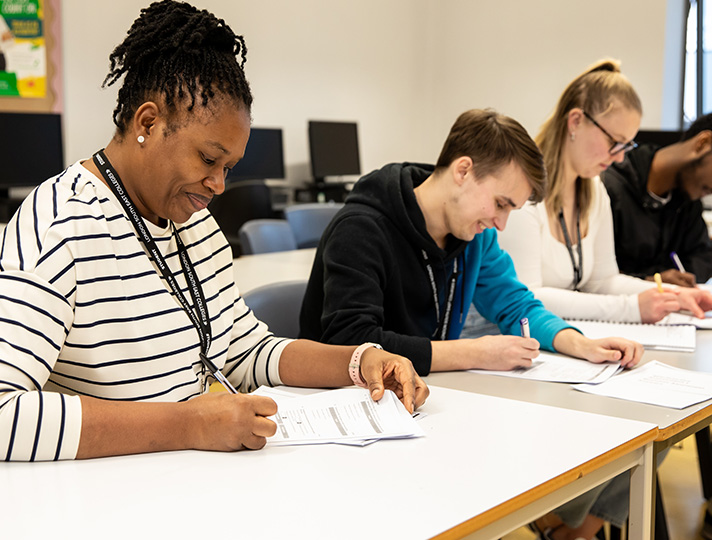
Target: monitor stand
(320, 191)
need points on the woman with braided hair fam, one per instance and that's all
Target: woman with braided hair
(119, 303)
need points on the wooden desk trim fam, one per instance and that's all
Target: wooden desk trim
(621, 458)
(686, 426)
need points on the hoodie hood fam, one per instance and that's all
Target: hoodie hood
(389, 191)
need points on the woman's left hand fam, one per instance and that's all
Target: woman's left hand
(695, 300)
(382, 370)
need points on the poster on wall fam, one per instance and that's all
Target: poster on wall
(23, 65)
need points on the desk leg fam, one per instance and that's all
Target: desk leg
(642, 497)
(660, 521)
(704, 453)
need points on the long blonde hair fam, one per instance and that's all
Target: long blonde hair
(594, 91)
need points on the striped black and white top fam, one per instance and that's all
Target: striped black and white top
(84, 311)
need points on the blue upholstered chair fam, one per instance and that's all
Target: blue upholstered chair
(278, 305)
(266, 236)
(308, 221)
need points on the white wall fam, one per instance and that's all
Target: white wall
(404, 69)
(518, 56)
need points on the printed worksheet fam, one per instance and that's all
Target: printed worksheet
(346, 415)
(560, 368)
(658, 384)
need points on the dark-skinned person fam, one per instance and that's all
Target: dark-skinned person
(118, 299)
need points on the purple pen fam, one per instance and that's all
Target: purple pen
(524, 325)
(676, 260)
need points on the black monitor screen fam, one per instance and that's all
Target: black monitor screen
(658, 137)
(333, 147)
(264, 156)
(30, 148)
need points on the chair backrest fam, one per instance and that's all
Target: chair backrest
(238, 204)
(266, 236)
(308, 221)
(278, 305)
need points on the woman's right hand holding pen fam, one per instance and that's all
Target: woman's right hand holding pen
(655, 305)
(225, 422)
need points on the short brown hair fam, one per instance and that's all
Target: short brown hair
(492, 141)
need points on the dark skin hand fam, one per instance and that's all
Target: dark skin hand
(675, 277)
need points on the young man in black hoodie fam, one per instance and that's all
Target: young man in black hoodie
(416, 245)
(655, 197)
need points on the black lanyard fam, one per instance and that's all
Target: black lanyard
(201, 320)
(443, 326)
(578, 266)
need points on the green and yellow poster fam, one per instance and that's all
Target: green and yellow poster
(23, 58)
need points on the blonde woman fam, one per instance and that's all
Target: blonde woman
(563, 247)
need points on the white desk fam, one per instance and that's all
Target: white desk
(487, 465)
(674, 425)
(252, 271)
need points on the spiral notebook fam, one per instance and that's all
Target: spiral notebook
(660, 337)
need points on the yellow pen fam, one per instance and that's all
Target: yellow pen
(659, 281)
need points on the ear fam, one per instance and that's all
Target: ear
(460, 167)
(145, 119)
(702, 143)
(574, 119)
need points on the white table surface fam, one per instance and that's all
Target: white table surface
(482, 458)
(673, 423)
(252, 271)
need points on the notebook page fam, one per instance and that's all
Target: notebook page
(651, 336)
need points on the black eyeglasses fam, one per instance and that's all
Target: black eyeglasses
(616, 146)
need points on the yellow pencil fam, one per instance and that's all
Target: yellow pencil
(659, 281)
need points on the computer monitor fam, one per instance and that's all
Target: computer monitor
(658, 137)
(333, 148)
(263, 159)
(30, 148)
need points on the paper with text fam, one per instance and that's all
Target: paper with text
(657, 384)
(560, 368)
(651, 336)
(347, 415)
(684, 318)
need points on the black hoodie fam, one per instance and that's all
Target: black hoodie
(369, 280)
(647, 231)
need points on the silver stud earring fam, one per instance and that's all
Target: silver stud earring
(141, 139)
(573, 136)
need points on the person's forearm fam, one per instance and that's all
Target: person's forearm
(570, 342)
(112, 428)
(312, 364)
(447, 356)
(217, 421)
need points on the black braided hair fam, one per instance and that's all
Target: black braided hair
(172, 50)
